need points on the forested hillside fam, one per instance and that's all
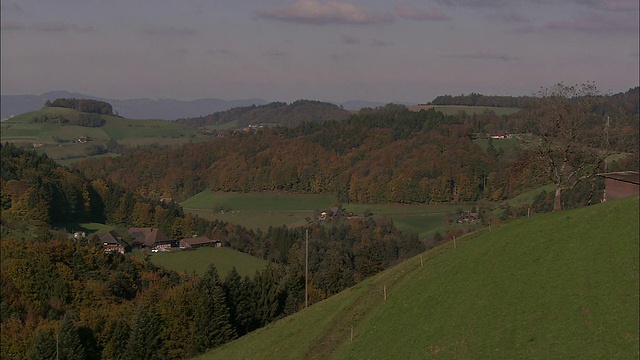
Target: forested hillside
(385, 155)
(108, 305)
(277, 113)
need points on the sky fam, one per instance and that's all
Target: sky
(327, 50)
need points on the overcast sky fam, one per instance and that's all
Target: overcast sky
(329, 50)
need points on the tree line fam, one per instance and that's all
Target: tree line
(82, 105)
(276, 113)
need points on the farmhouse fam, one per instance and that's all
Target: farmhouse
(500, 135)
(620, 184)
(151, 238)
(468, 217)
(112, 241)
(199, 241)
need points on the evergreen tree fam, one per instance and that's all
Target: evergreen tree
(70, 346)
(118, 340)
(212, 316)
(145, 342)
(43, 346)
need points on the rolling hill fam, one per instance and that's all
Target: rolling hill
(559, 285)
(44, 130)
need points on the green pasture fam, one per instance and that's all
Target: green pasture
(257, 219)
(87, 227)
(506, 144)
(198, 261)
(562, 285)
(527, 197)
(227, 126)
(68, 161)
(58, 141)
(262, 201)
(261, 210)
(121, 128)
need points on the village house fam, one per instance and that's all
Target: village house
(620, 184)
(112, 241)
(151, 238)
(200, 241)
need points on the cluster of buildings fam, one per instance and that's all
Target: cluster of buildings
(154, 239)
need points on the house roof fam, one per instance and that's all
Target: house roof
(148, 236)
(198, 240)
(111, 238)
(632, 177)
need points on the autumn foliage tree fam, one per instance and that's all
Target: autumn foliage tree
(569, 140)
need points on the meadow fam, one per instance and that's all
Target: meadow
(261, 210)
(561, 285)
(57, 141)
(198, 260)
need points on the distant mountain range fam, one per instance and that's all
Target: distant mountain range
(166, 109)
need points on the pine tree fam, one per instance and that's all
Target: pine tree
(69, 344)
(43, 346)
(212, 316)
(145, 342)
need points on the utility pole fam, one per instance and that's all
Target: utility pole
(306, 271)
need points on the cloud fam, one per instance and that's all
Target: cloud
(350, 40)
(377, 42)
(10, 7)
(475, 3)
(156, 30)
(12, 26)
(483, 55)
(612, 5)
(596, 24)
(60, 27)
(511, 18)
(46, 27)
(274, 52)
(325, 12)
(408, 12)
(219, 52)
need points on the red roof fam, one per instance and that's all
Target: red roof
(198, 240)
(148, 236)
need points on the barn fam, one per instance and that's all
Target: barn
(620, 184)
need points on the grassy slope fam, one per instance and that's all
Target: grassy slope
(560, 285)
(198, 260)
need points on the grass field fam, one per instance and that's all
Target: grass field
(507, 144)
(562, 285)
(527, 197)
(469, 110)
(198, 261)
(257, 210)
(88, 228)
(261, 210)
(58, 141)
